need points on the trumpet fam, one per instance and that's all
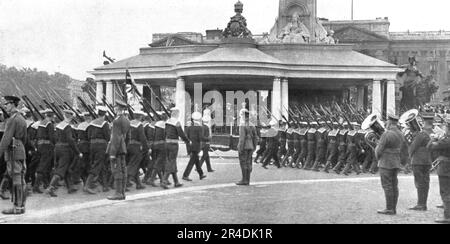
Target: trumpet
(377, 129)
(410, 121)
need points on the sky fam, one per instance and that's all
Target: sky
(69, 36)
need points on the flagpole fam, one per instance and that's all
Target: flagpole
(352, 9)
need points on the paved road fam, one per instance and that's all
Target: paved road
(276, 196)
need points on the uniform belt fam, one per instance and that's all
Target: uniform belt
(172, 141)
(43, 142)
(62, 144)
(134, 142)
(159, 142)
(93, 141)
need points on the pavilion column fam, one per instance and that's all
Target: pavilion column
(109, 92)
(360, 98)
(376, 98)
(285, 97)
(180, 100)
(99, 92)
(390, 102)
(276, 98)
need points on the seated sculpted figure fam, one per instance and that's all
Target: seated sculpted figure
(295, 31)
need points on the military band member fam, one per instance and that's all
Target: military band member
(99, 134)
(13, 149)
(321, 146)
(66, 149)
(117, 151)
(311, 137)
(46, 147)
(83, 164)
(389, 152)
(332, 148)
(136, 148)
(206, 144)
(421, 162)
(195, 135)
(247, 144)
(441, 147)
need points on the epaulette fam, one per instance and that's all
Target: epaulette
(83, 126)
(160, 124)
(98, 123)
(173, 121)
(62, 125)
(44, 123)
(135, 123)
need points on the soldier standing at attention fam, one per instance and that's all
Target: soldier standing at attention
(389, 152)
(136, 149)
(441, 147)
(46, 142)
(195, 135)
(99, 134)
(13, 149)
(83, 165)
(117, 151)
(248, 139)
(66, 150)
(421, 162)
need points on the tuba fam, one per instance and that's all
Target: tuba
(374, 123)
(412, 125)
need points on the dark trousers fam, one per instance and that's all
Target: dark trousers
(389, 182)
(99, 162)
(193, 161)
(46, 153)
(206, 159)
(272, 153)
(134, 159)
(444, 187)
(245, 159)
(422, 182)
(64, 160)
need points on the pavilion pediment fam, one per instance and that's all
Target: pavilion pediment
(353, 34)
(173, 41)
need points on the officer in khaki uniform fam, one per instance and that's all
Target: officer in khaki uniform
(421, 162)
(117, 151)
(13, 149)
(248, 140)
(441, 147)
(390, 153)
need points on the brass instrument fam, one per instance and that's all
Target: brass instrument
(374, 123)
(410, 121)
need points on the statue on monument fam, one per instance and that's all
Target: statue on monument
(295, 31)
(237, 27)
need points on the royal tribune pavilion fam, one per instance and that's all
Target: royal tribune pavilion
(297, 63)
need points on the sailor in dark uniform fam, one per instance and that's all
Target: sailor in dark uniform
(303, 144)
(46, 147)
(262, 142)
(353, 151)
(173, 132)
(290, 143)
(83, 165)
(136, 148)
(159, 153)
(99, 134)
(66, 149)
(332, 148)
(272, 145)
(311, 136)
(147, 162)
(282, 137)
(195, 135)
(206, 144)
(321, 146)
(13, 149)
(342, 148)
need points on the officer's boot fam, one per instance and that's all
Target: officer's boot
(87, 187)
(249, 172)
(165, 180)
(176, 181)
(390, 209)
(151, 181)
(52, 186)
(422, 196)
(244, 177)
(19, 201)
(327, 167)
(37, 183)
(139, 185)
(3, 188)
(446, 219)
(338, 167)
(119, 192)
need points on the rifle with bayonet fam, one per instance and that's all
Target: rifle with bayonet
(55, 111)
(343, 115)
(36, 113)
(87, 108)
